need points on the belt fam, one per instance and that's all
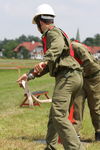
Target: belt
(66, 70)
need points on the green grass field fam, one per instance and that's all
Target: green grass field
(20, 127)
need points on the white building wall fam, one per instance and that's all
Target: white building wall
(37, 53)
(1, 54)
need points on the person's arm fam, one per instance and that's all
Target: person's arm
(82, 53)
(89, 64)
(39, 70)
(55, 45)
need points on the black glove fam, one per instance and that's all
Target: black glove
(30, 75)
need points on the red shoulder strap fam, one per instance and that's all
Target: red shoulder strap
(70, 46)
(44, 39)
(71, 49)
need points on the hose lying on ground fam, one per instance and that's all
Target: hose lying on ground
(32, 98)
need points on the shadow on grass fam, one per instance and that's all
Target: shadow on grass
(29, 138)
(87, 140)
(41, 141)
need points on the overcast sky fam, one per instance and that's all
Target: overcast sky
(16, 17)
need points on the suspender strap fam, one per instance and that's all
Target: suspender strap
(44, 40)
(65, 35)
(70, 46)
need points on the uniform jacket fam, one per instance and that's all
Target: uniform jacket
(58, 52)
(89, 63)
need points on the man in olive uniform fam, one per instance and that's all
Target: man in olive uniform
(91, 88)
(68, 80)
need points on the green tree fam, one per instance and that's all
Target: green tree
(21, 39)
(31, 38)
(8, 47)
(24, 53)
(89, 41)
(95, 41)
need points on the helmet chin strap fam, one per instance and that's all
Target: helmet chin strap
(39, 26)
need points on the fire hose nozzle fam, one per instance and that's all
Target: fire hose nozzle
(30, 76)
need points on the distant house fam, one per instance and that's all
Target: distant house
(35, 50)
(95, 51)
(1, 53)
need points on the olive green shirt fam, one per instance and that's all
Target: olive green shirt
(89, 63)
(58, 52)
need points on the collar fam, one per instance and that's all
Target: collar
(51, 27)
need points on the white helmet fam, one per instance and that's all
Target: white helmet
(44, 9)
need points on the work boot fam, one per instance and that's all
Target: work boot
(97, 136)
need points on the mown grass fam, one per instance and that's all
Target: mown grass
(20, 127)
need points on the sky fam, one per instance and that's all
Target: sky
(16, 17)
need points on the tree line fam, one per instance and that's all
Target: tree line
(7, 46)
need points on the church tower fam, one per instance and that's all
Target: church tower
(78, 35)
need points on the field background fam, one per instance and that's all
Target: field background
(20, 127)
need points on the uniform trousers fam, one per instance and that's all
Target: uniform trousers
(91, 91)
(67, 85)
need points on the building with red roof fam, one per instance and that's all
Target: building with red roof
(95, 50)
(35, 49)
